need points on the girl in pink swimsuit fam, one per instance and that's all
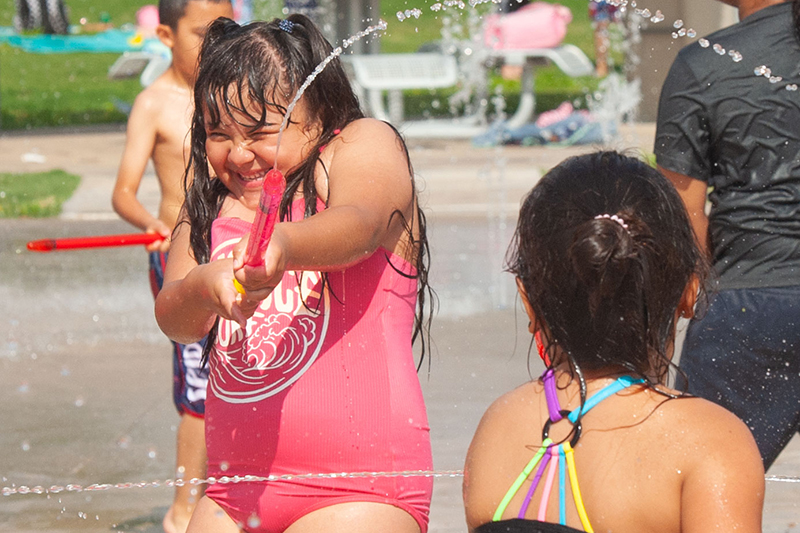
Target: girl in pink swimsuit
(311, 368)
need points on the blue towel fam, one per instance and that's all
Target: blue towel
(575, 129)
(113, 41)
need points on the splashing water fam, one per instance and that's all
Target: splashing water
(227, 480)
(223, 480)
(408, 13)
(380, 26)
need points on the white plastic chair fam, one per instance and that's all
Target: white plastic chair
(379, 73)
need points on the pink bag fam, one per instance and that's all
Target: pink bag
(537, 25)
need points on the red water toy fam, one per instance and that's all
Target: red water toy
(266, 216)
(101, 241)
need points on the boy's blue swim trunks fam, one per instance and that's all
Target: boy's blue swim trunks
(188, 378)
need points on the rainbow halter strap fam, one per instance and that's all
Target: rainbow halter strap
(559, 456)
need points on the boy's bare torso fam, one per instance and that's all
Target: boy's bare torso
(170, 107)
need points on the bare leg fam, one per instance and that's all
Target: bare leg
(601, 45)
(191, 463)
(357, 517)
(209, 517)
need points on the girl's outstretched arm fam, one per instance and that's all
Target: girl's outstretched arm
(370, 201)
(194, 295)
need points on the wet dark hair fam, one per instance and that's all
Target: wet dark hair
(258, 66)
(605, 294)
(171, 11)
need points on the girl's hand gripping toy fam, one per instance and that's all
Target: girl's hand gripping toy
(102, 241)
(266, 216)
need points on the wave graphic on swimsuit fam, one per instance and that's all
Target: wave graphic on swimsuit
(277, 349)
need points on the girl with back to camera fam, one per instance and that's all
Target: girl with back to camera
(311, 368)
(606, 264)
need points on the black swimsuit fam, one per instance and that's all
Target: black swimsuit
(519, 525)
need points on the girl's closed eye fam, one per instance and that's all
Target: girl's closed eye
(265, 131)
(216, 135)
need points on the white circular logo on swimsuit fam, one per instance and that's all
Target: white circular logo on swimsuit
(282, 340)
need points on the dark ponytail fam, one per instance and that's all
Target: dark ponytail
(604, 250)
(604, 255)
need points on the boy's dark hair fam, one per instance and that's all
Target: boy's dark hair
(260, 66)
(606, 294)
(171, 11)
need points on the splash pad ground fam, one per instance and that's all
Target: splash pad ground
(85, 373)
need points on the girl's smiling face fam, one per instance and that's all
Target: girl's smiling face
(241, 151)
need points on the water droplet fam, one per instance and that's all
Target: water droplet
(79, 402)
(718, 48)
(436, 7)
(690, 33)
(791, 87)
(775, 79)
(646, 13)
(401, 16)
(675, 35)
(704, 43)
(736, 56)
(658, 17)
(759, 71)
(152, 454)
(95, 318)
(224, 466)
(677, 24)
(26, 446)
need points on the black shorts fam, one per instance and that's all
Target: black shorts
(189, 378)
(743, 353)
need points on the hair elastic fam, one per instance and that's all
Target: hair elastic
(615, 218)
(537, 337)
(286, 25)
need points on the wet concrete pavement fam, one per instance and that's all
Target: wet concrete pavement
(85, 374)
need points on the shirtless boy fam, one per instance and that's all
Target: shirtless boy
(158, 128)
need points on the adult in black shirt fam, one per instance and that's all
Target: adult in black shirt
(729, 123)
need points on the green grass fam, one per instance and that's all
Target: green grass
(60, 89)
(72, 89)
(119, 11)
(64, 89)
(35, 194)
